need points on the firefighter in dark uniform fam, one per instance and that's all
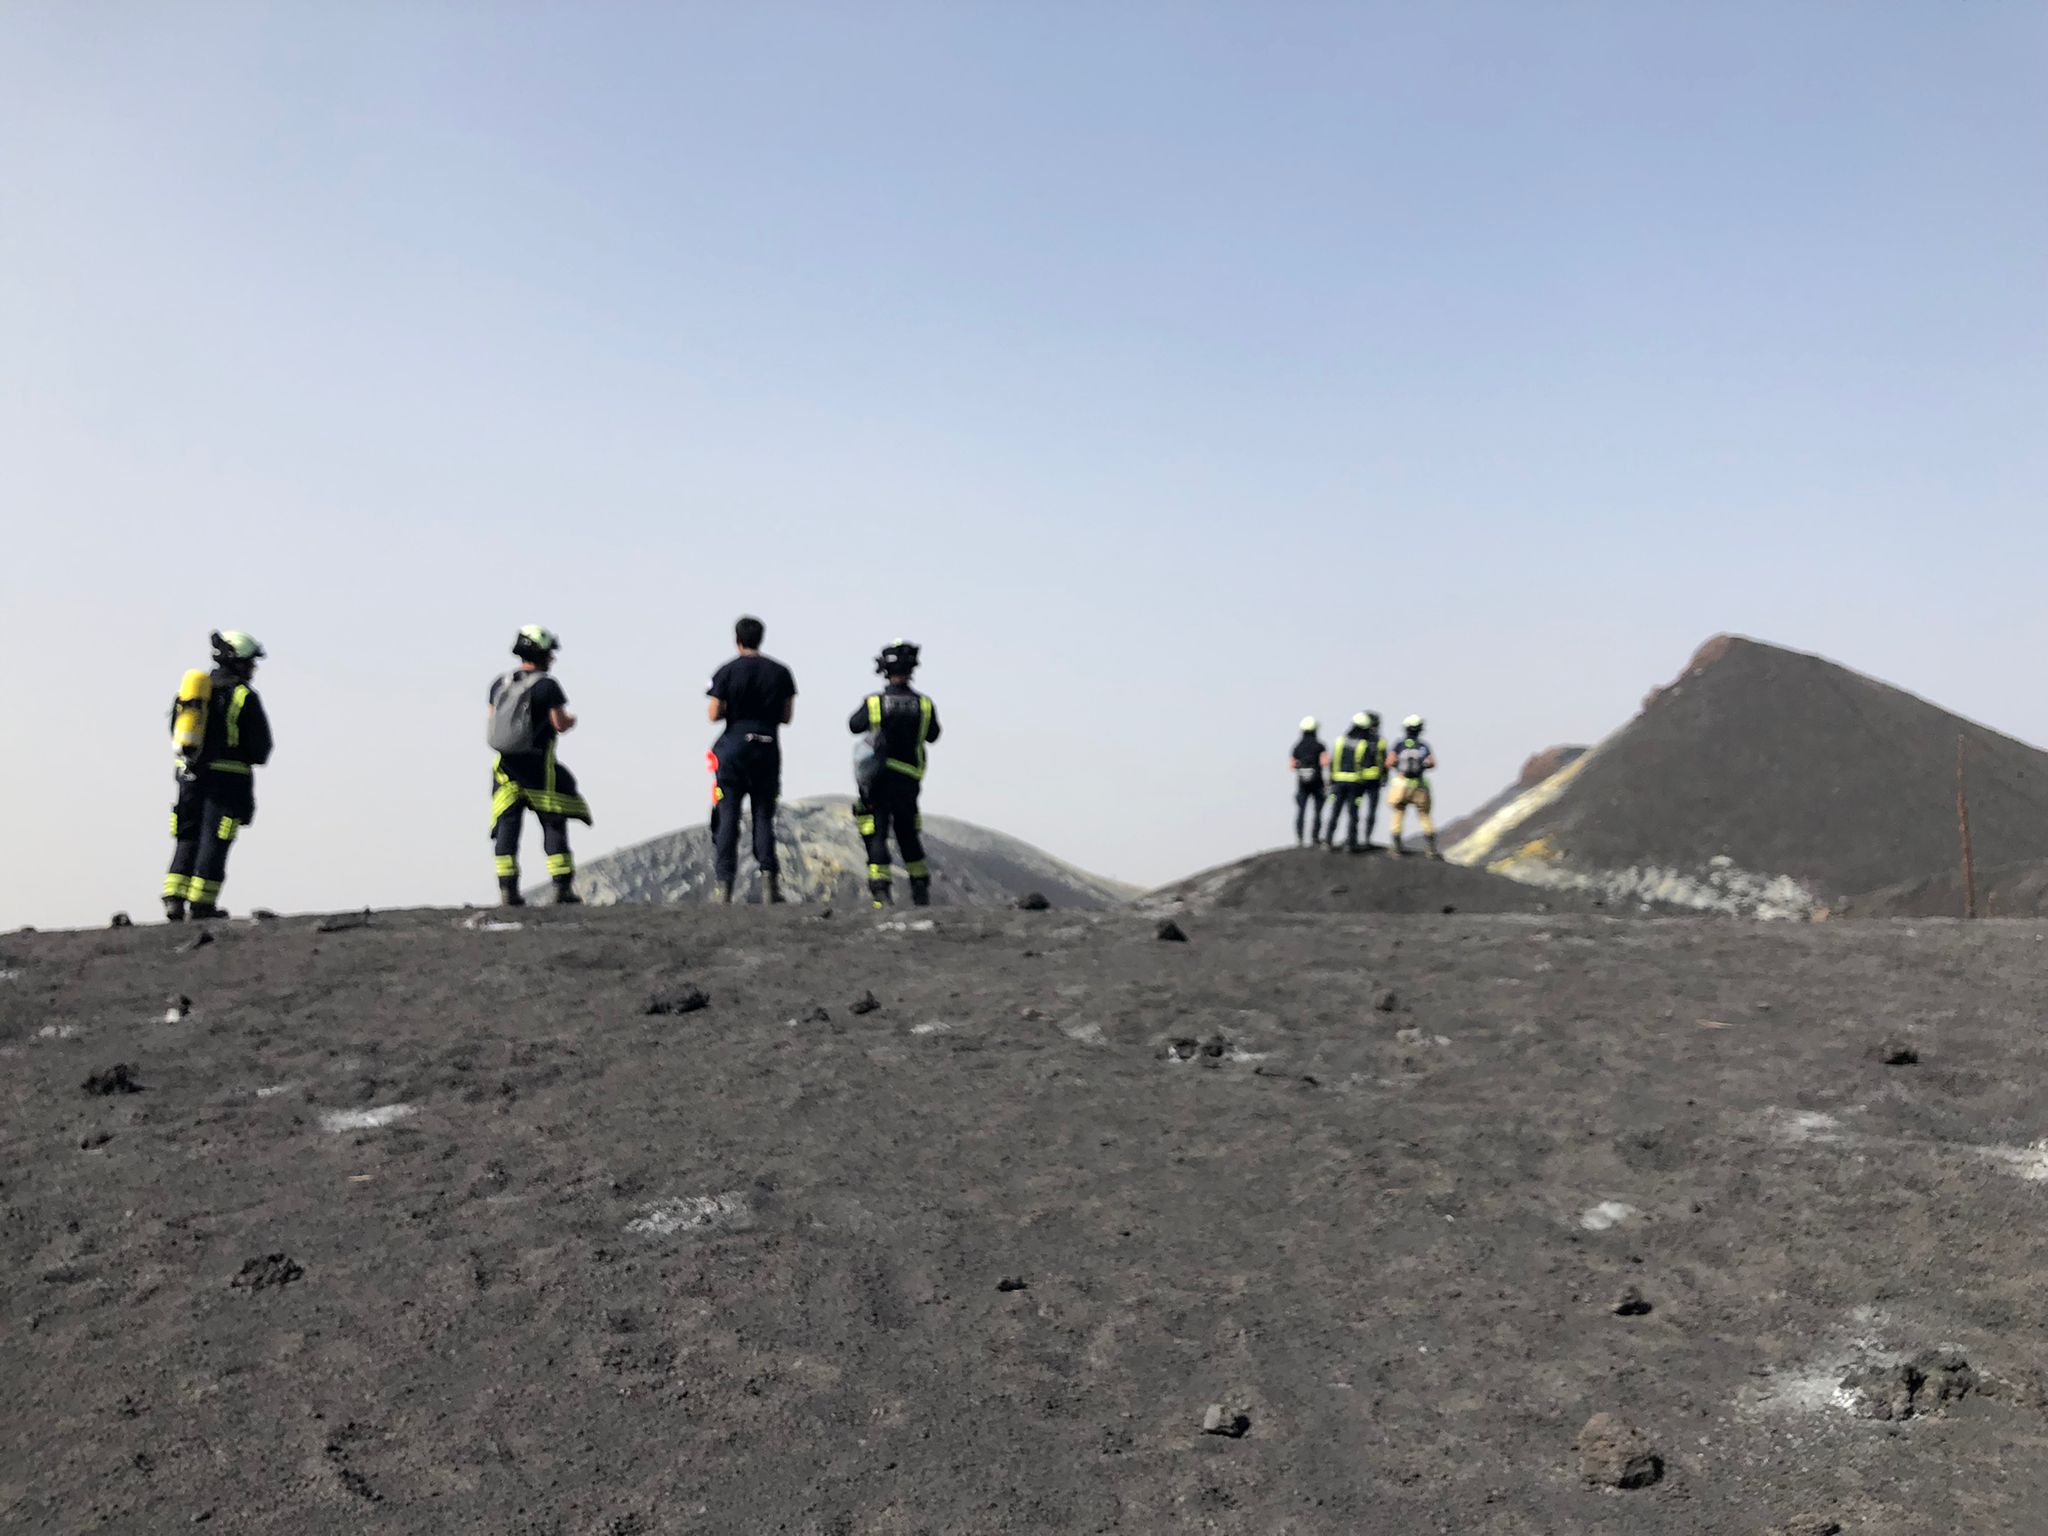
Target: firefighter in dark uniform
(903, 722)
(1306, 764)
(525, 775)
(1355, 773)
(216, 778)
(753, 697)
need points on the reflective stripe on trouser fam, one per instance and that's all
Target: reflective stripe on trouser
(893, 811)
(203, 830)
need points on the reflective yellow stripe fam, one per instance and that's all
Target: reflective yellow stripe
(508, 866)
(174, 885)
(874, 711)
(241, 697)
(924, 728)
(225, 832)
(918, 870)
(225, 767)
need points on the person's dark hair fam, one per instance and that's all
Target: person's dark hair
(749, 633)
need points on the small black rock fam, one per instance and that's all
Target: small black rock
(1170, 932)
(96, 1140)
(273, 1269)
(668, 1004)
(1897, 1053)
(1386, 1002)
(1035, 902)
(1630, 1303)
(343, 923)
(867, 1003)
(818, 1016)
(1010, 1284)
(264, 915)
(119, 1078)
(121, 920)
(1449, 910)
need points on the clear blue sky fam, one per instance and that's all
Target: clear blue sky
(1169, 370)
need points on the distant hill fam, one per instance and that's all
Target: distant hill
(823, 860)
(1310, 880)
(1767, 782)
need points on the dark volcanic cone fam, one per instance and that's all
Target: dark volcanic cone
(1770, 782)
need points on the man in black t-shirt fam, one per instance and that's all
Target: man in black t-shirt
(1306, 763)
(530, 778)
(753, 697)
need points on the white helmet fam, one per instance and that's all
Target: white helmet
(1308, 724)
(1412, 724)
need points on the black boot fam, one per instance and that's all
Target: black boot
(174, 909)
(205, 912)
(724, 894)
(772, 884)
(921, 892)
(1430, 841)
(882, 893)
(508, 893)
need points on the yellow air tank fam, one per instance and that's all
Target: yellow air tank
(188, 720)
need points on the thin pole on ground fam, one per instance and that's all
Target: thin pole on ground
(1963, 823)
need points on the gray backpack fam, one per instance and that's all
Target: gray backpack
(513, 727)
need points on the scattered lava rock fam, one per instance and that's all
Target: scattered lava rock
(1183, 1049)
(1011, 1283)
(1170, 932)
(273, 1269)
(1896, 1053)
(264, 915)
(818, 1015)
(176, 1007)
(668, 1004)
(342, 923)
(1810, 1525)
(1386, 1002)
(1902, 1389)
(867, 1004)
(1215, 1047)
(1613, 1453)
(1035, 902)
(1221, 1421)
(121, 920)
(96, 1140)
(2027, 1389)
(119, 1078)
(1631, 1303)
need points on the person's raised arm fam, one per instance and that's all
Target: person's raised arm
(561, 719)
(715, 711)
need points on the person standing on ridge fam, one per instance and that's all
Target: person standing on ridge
(754, 697)
(528, 711)
(1409, 761)
(899, 722)
(1306, 764)
(1355, 768)
(223, 737)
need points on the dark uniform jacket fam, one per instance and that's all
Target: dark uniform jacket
(907, 720)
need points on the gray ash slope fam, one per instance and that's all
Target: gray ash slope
(1767, 781)
(823, 861)
(980, 1258)
(2003, 890)
(1310, 880)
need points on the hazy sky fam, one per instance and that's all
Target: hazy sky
(1169, 370)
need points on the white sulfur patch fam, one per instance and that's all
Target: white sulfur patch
(1804, 1125)
(2029, 1163)
(932, 1027)
(57, 1032)
(694, 1213)
(274, 1090)
(10, 975)
(1087, 1032)
(366, 1119)
(1608, 1213)
(922, 925)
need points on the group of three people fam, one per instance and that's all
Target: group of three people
(223, 736)
(1359, 765)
